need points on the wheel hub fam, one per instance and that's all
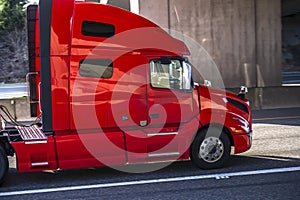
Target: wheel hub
(211, 149)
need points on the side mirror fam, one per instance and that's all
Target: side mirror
(243, 92)
(207, 83)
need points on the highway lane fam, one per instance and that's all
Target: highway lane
(267, 186)
(276, 145)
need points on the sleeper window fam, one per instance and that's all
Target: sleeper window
(98, 29)
(96, 68)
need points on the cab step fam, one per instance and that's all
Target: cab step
(31, 133)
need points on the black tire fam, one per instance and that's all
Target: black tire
(3, 165)
(215, 149)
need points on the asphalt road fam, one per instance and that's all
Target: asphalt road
(270, 170)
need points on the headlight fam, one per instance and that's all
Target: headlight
(244, 125)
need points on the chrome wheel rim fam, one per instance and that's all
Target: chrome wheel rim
(211, 149)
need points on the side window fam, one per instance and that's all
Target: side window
(176, 75)
(97, 29)
(96, 68)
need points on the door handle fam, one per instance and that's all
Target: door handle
(154, 116)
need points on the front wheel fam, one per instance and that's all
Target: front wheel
(210, 149)
(3, 164)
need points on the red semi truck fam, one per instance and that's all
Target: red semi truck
(112, 88)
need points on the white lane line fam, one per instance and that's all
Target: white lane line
(142, 182)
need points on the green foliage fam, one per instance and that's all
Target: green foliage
(13, 41)
(12, 15)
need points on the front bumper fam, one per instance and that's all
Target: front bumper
(242, 142)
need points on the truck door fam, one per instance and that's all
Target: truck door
(170, 92)
(170, 106)
(170, 100)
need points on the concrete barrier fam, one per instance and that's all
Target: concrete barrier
(19, 108)
(273, 97)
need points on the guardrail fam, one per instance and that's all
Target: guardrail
(291, 77)
(9, 91)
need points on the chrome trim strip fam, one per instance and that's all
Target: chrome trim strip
(160, 134)
(163, 154)
(37, 142)
(39, 164)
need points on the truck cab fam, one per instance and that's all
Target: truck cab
(113, 88)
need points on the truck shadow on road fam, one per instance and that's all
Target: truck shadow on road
(51, 179)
